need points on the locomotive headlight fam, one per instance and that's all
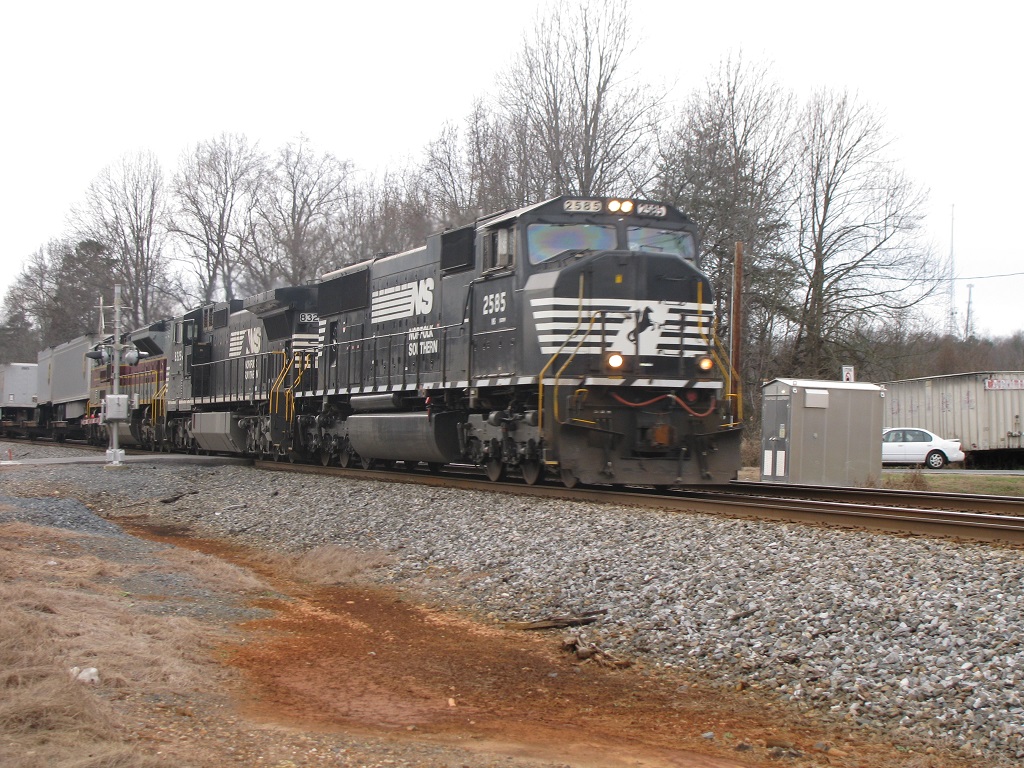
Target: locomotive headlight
(615, 361)
(705, 363)
(627, 206)
(614, 205)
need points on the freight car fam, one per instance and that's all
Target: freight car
(983, 409)
(63, 390)
(574, 337)
(17, 398)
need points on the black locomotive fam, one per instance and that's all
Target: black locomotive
(574, 336)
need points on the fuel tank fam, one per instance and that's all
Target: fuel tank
(418, 436)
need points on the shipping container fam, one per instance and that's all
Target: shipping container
(18, 385)
(982, 410)
(64, 375)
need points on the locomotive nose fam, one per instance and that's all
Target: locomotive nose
(657, 277)
(643, 315)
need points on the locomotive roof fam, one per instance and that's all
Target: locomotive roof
(503, 216)
(497, 218)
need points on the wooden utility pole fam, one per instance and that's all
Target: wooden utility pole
(736, 333)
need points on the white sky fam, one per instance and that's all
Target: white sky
(84, 83)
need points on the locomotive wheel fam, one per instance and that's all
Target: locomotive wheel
(495, 469)
(367, 463)
(569, 480)
(325, 458)
(345, 458)
(410, 466)
(532, 470)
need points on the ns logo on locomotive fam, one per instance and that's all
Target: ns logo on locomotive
(573, 337)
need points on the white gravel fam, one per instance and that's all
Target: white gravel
(918, 636)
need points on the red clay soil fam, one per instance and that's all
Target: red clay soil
(374, 662)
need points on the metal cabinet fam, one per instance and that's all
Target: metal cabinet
(821, 432)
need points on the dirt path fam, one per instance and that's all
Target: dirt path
(348, 676)
(369, 661)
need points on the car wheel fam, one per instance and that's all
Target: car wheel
(935, 460)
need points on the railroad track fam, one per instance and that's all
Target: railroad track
(964, 516)
(976, 518)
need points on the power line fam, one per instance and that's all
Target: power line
(988, 277)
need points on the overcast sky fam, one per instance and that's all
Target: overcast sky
(86, 83)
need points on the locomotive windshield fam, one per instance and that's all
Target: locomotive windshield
(661, 241)
(545, 241)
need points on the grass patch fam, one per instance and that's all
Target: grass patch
(992, 485)
(329, 565)
(53, 617)
(914, 480)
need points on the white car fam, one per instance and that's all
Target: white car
(910, 445)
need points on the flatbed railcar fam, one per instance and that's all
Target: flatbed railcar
(574, 337)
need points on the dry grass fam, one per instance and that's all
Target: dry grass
(224, 574)
(750, 451)
(47, 719)
(329, 565)
(956, 482)
(913, 480)
(58, 611)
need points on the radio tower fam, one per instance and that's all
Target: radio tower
(951, 324)
(968, 330)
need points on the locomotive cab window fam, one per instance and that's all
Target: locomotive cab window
(546, 241)
(498, 249)
(183, 332)
(661, 240)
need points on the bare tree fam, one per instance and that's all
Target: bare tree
(125, 209)
(305, 194)
(385, 215)
(216, 195)
(588, 119)
(727, 162)
(480, 170)
(856, 235)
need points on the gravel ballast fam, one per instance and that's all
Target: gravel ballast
(921, 637)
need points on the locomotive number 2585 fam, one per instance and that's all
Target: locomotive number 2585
(494, 303)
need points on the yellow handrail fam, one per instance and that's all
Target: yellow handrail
(277, 386)
(716, 349)
(551, 360)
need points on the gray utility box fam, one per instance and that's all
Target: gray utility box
(821, 432)
(115, 408)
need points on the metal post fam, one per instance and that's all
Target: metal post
(115, 454)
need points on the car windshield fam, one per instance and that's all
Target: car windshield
(545, 241)
(661, 241)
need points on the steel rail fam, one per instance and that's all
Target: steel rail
(962, 502)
